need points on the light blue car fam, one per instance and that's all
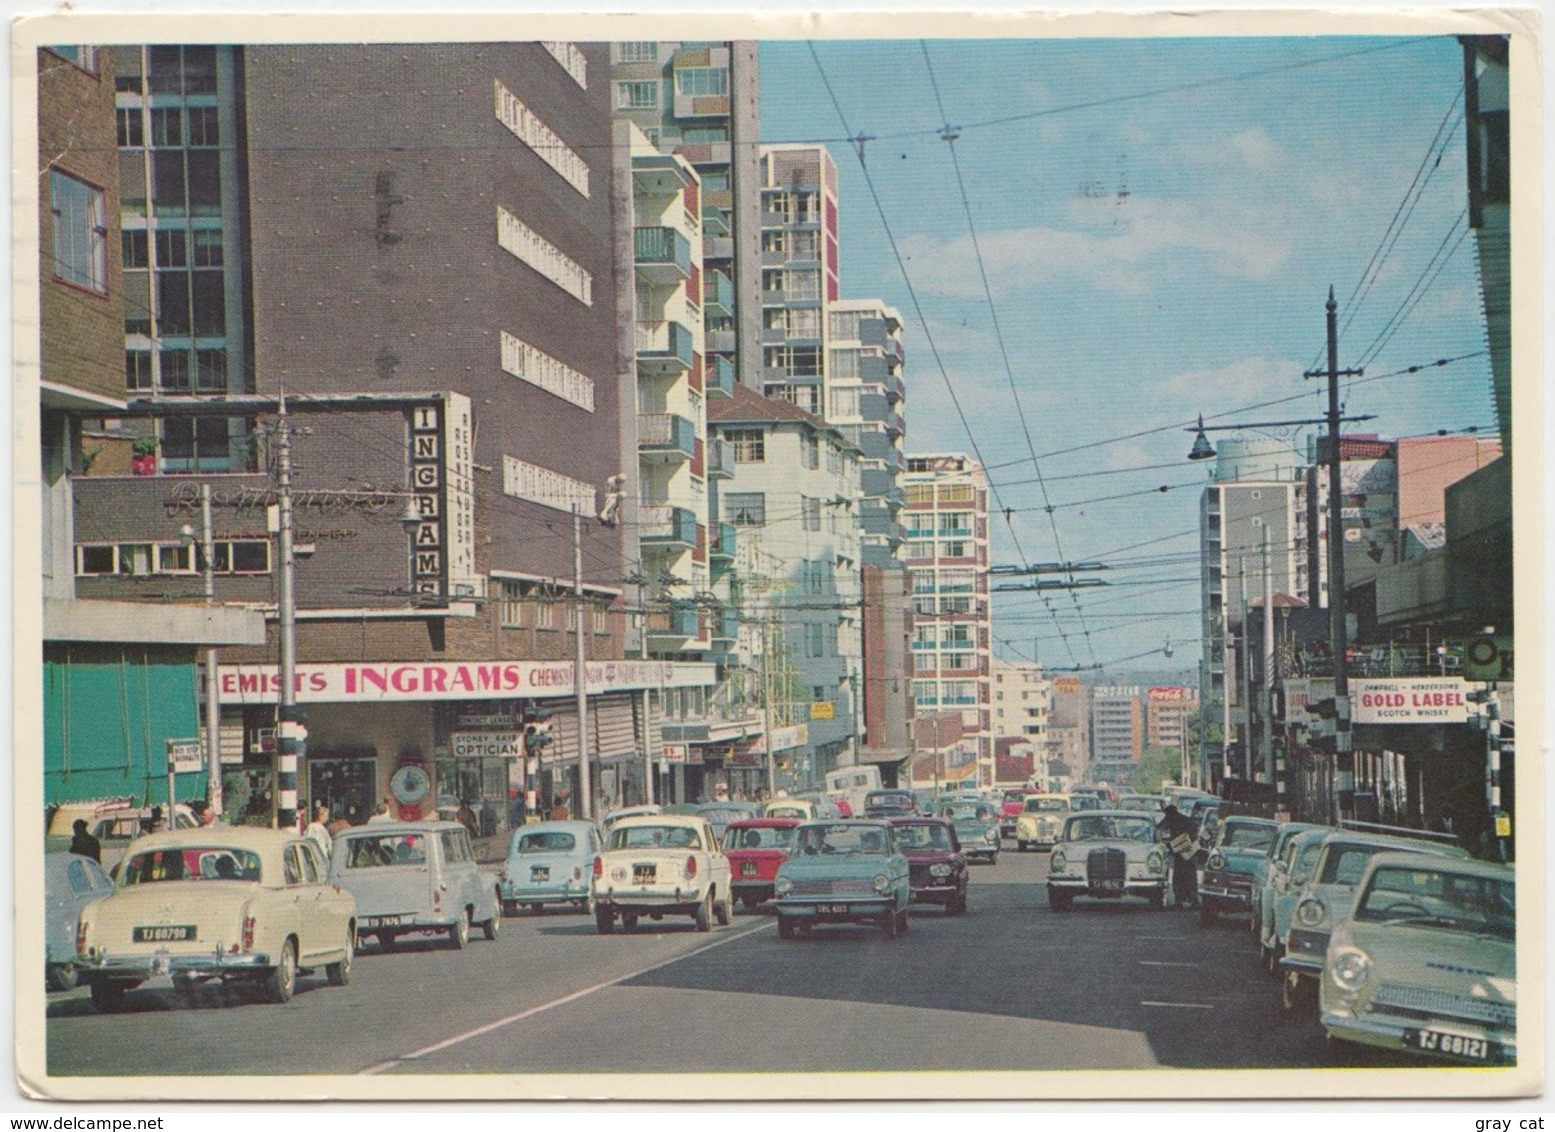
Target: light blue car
(1264, 872)
(843, 872)
(549, 862)
(70, 883)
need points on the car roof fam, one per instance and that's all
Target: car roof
(1086, 815)
(381, 827)
(571, 826)
(687, 821)
(257, 838)
(764, 823)
(1350, 838)
(1248, 819)
(917, 819)
(871, 823)
(1464, 866)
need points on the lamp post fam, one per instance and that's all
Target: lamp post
(207, 544)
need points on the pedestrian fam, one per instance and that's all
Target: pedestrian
(318, 829)
(1177, 832)
(84, 844)
(466, 817)
(559, 810)
(384, 812)
(153, 822)
(205, 813)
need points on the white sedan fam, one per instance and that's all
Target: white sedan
(219, 903)
(662, 865)
(1106, 855)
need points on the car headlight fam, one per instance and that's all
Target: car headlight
(1311, 912)
(939, 870)
(1217, 861)
(882, 882)
(1349, 969)
(1056, 862)
(1156, 862)
(783, 886)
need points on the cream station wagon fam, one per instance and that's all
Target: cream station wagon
(220, 902)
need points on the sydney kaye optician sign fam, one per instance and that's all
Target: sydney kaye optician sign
(438, 680)
(1410, 701)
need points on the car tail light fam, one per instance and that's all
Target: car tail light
(81, 938)
(691, 866)
(437, 900)
(599, 867)
(248, 933)
(577, 873)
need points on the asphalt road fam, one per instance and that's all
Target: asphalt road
(1010, 986)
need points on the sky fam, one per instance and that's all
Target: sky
(1127, 234)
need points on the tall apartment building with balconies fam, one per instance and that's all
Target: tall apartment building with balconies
(800, 265)
(700, 101)
(866, 397)
(1117, 733)
(1022, 702)
(947, 554)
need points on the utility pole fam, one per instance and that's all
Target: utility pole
(291, 735)
(766, 705)
(585, 805)
(212, 661)
(1344, 752)
(1266, 693)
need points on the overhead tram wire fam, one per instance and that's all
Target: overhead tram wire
(1421, 286)
(917, 305)
(950, 135)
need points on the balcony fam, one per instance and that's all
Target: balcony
(715, 219)
(705, 153)
(665, 434)
(726, 625)
(895, 388)
(680, 621)
(717, 294)
(665, 525)
(663, 346)
(663, 255)
(717, 247)
(719, 375)
(722, 342)
(659, 175)
(723, 542)
(720, 460)
(895, 424)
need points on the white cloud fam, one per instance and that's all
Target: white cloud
(1257, 149)
(1240, 382)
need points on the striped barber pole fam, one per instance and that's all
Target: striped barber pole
(291, 740)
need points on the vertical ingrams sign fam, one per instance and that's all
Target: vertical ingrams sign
(442, 549)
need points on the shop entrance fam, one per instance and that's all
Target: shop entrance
(479, 789)
(345, 781)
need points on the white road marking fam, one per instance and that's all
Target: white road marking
(480, 1031)
(1183, 1005)
(1165, 963)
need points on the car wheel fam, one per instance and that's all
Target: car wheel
(889, 924)
(629, 921)
(902, 922)
(750, 902)
(1296, 995)
(604, 921)
(536, 908)
(339, 974)
(1207, 915)
(60, 976)
(459, 934)
(281, 983)
(957, 904)
(108, 995)
(785, 927)
(185, 992)
(724, 911)
(704, 913)
(492, 926)
(509, 908)
(387, 941)
(1058, 901)
(1157, 900)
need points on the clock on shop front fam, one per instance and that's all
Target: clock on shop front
(410, 785)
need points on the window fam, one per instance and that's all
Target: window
(510, 605)
(700, 81)
(844, 402)
(210, 371)
(601, 620)
(80, 232)
(845, 325)
(136, 248)
(137, 369)
(750, 445)
(203, 126)
(545, 615)
(844, 363)
(637, 52)
(802, 284)
(810, 451)
(167, 126)
(175, 370)
(82, 56)
(746, 509)
(814, 641)
(774, 240)
(131, 128)
(794, 361)
(637, 95)
(804, 245)
(810, 513)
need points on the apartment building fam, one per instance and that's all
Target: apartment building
(1117, 733)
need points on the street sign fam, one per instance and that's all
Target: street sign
(823, 709)
(184, 756)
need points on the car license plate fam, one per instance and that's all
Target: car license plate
(748, 869)
(382, 921)
(1454, 1045)
(644, 874)
(164, 933)
(539, 874)
(833, 908)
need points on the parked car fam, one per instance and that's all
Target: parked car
(662, 865)
(229, 903)
(1287, 877)
(1264, 869)
(1106, 855)
(843, 872)
(755, 848)
(797, 809)
(720, 814)
(415, 877)
(115, 822)
(70, 883)
(936, 864)
(977, 828)
(549, 862)
(648, 810)
(1427, 961)
(1226, 885)
(1148, 803)
(1325, 903)
(1041, 820)
(888, 803)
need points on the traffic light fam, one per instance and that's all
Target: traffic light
(537, 730)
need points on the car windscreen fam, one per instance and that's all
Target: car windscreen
(1440, 898)
(848, 840)
(1015, 796)
(887, 800)
(1046, 805)
(922, 837)
(193, 862)
(381, 850)
(760, 837)
(1239, 835)
(1344, 863)
(1116, 829)
(547, 841)
(655, 837)
(967, 811)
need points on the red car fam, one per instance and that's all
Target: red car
(1014, 802)
(755, 848)
(936, 866)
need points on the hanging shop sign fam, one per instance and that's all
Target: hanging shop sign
(486, 744)
(1422, 700)
(393, 681)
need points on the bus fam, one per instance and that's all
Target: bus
(850, 783)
